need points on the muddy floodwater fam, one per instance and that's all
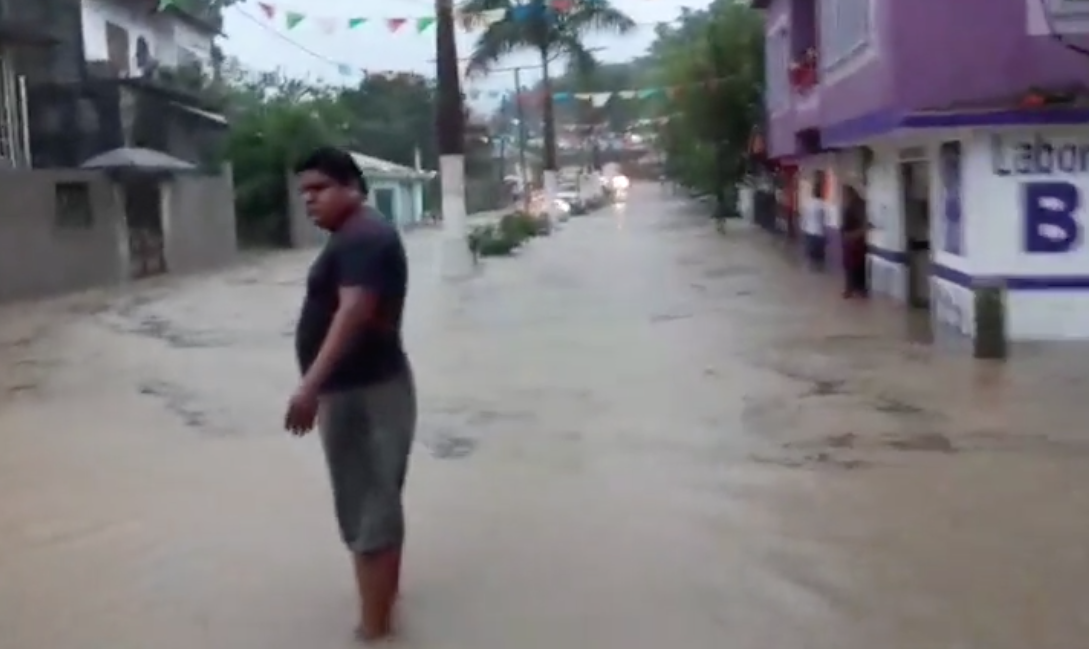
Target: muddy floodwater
(636, 435)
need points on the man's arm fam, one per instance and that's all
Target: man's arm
(359, 265)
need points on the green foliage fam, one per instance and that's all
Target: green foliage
(275, 120)
(505, 237)
(708, 130)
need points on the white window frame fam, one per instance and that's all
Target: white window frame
(846, 29)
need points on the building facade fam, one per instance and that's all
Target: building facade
(60, 106)
(965, 126)
(142, 70)
(133, 36)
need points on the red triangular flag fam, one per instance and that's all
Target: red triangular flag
(267, 9)
(562, 5)
(396, 23)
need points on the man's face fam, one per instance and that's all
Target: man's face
(328, 202)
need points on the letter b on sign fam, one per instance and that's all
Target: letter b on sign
(1050, 224)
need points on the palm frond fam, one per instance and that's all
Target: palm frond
(580, 60)
(497, 41)
(547, 31)
(597, 16)
(469, 7)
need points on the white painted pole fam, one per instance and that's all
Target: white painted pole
(456, 259)
(551, 190)
(24, 117)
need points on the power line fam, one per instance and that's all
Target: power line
(287, 39)
(342, 66)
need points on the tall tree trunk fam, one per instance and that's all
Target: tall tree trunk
(456, 259)
(549, 115)
(450, 114)
(551, 179)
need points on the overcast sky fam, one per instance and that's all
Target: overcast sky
(266, 45)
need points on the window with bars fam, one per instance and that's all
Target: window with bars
(777, 69)
(845, 29)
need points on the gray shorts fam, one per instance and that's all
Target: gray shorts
(367, 434)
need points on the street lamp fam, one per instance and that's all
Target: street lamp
(456, 260)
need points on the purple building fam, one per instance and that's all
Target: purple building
(888, 65)
(964, 124)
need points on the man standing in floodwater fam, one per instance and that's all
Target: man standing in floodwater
(356, 378)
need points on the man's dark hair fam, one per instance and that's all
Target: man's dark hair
(336, 163)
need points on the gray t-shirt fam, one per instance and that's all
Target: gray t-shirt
(367, 253)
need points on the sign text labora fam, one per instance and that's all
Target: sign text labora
(1051, 201)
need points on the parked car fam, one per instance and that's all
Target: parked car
(575, 205)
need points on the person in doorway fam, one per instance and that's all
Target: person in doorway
(356, 377)
(854, 230)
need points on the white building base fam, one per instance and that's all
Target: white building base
(551, 191)
(1007, 205)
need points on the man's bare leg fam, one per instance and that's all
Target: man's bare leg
(377, 577)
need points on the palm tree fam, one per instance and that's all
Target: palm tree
(551, 32)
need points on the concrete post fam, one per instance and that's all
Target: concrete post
(455, 256)
(551, 190)
(990, 341)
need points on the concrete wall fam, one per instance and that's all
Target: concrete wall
(39, 254)
(44, 253)
(199, 230)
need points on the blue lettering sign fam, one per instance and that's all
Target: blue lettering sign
(1038, 157)
(1049, 223)
(952, 212)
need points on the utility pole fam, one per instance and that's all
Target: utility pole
(521, 137)
(455, 257)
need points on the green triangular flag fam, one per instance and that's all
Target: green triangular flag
(423, 23)
(355, 22)
(294, 18)
(164, 4)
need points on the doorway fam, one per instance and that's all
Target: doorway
(915, 206)
(144, 218)
(384, 203)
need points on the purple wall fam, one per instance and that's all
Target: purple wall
(932, 53)
(803, 34)
(944, 54)
(780, 136)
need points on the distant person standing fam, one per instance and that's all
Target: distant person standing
(854, 231)
(356, 378)
(813, 232)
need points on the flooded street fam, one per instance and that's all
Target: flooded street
(638, 435)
